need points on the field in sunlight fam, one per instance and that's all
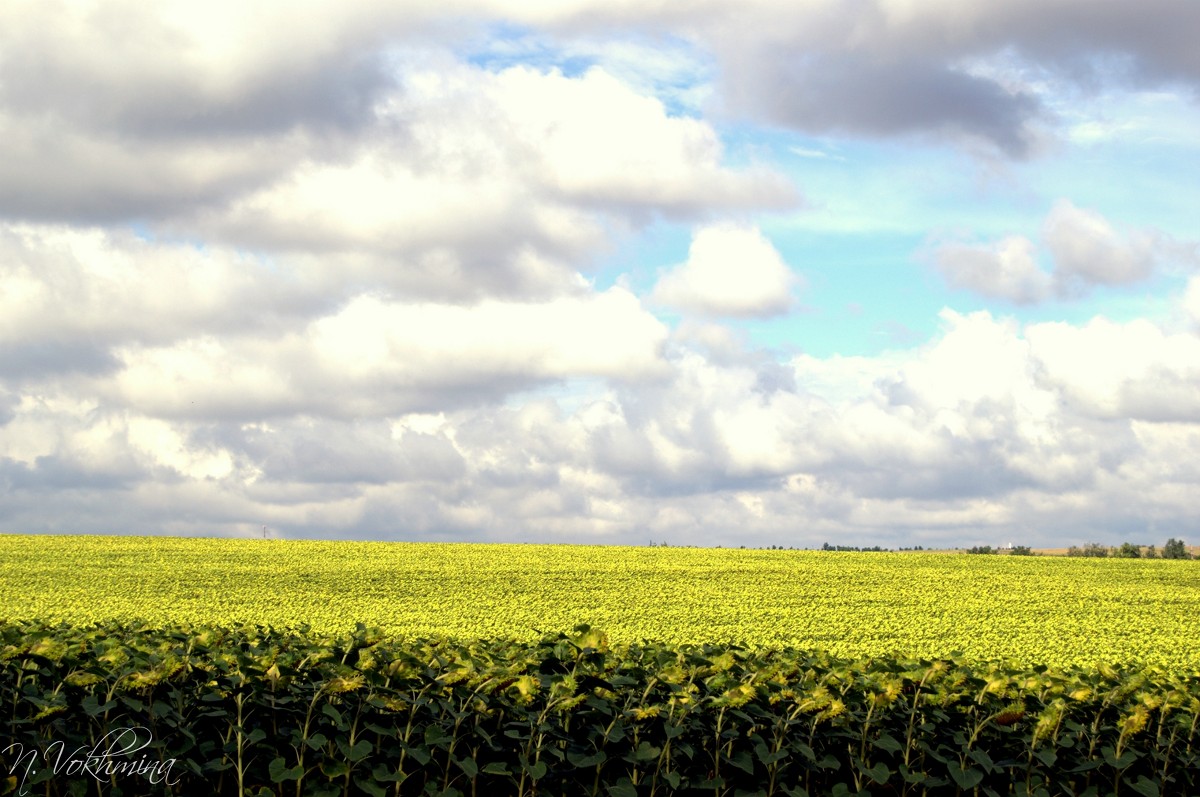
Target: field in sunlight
(1049, 610)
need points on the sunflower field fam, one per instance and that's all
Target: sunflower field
(183, 666)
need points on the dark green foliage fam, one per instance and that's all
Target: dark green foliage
(852, 548)
(1093, 549)
(264, 712)
(981, 549)
(1020, 550)
(1175, 549)
(1127, 551)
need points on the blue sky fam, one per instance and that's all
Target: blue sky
(724, 273)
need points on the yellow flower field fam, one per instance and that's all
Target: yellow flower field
(1031, 610)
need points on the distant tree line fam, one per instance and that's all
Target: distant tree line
(828, 547)
(1173, 549)
(1015, 550)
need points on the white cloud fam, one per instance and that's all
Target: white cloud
(375, 357)
(1043, 433)
(1007, 269)
(1087, 251)
(479, 183)
(606, 334)
(89, 285)
(353, 137)
(730, 271)
(1191, 299)
(967, 72)
(355, 302)
(1131, 370)
(598, 141)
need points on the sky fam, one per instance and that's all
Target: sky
(719, 272)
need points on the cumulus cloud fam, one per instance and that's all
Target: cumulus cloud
(186, 72)
(355, 132)
(1132, 370)
(1044, 431)
(967, 72)
(730, 271)
(1007, 269)
(328, 272)
(542, 167)
(89, 287)
(376, 358)
(837, 93)
(200, 107)
(1191, 299)
(1085, 251)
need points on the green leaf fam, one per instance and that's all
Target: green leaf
(360, 750)
(623, 788)
(92, 705)
(335, 715)
(984, 760)
(435, 736)
(1145, 786)
(1047, 755)
(536, 770)
(888, 743)
(965, 778)
(279, 771)
(1126, 758)
(1086, 766)
(584, 761)
(419, 754)
(370, 787)
(334, 769)
(468, 766)
(646, 752)
(878, 773)
(496, 768)
(742, 761)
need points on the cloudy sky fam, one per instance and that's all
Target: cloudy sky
(736, 272)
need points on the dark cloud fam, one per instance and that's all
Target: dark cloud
(53, 473)
(1152, 42)
(26, 361)
(312, 451)
(339, 94)
(92, 177)
(843, 93)
(989, 71)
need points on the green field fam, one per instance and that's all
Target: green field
(1031, 610)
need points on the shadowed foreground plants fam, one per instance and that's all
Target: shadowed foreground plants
(188, 710)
